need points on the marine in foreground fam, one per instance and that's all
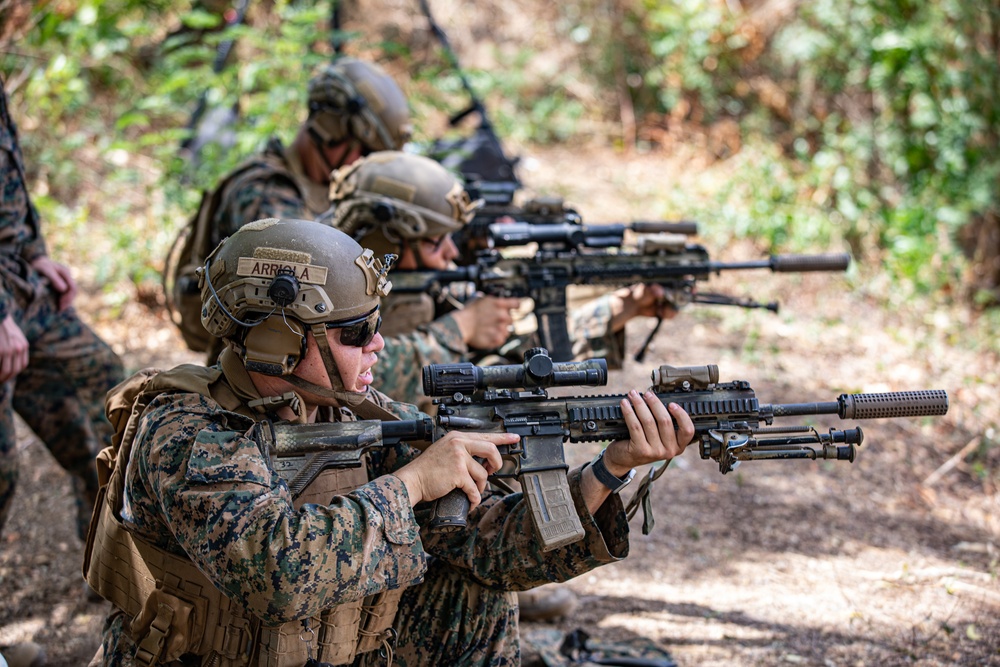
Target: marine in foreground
(209, 558)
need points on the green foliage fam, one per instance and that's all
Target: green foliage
(108, 64)
(904, 96)
(885, 112)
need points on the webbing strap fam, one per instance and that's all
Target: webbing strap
(151, 646)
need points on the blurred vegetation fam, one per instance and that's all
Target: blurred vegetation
(868, 122)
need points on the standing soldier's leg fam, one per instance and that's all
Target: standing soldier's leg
(61, 397)
(8, 452)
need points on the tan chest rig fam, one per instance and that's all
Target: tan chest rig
(172, 609)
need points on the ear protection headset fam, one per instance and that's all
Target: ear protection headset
(274, 344)
(358, 120)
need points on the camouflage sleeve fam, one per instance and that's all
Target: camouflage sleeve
(274, 196)
(500, 549)
(209, 488)
(400, 368)
(588, 329)
(35, 249)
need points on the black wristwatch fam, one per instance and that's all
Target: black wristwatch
(605, 477)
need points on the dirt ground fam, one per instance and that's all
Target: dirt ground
(891, 560)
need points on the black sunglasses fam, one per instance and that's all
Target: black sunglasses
(436, 243)
(360, 331)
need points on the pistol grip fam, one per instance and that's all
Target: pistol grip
(449, 513)
(552, 508)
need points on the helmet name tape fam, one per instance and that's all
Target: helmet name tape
(262, 268)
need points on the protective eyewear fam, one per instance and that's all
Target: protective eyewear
(359, 331)
(435, 244)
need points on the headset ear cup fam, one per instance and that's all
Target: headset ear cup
(275, 346)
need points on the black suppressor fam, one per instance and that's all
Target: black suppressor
(889, 405)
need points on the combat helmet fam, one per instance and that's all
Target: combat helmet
(390, 199)
(271, 282)
(351, 99)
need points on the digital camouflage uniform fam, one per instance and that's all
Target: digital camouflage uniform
(60, 394)
(198, 486)
(280, 189)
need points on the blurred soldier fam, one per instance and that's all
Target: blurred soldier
(410, 205)
(355, 108)
(209, 558)
(54, 371)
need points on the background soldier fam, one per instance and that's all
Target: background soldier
(355, 108)
(54, 371)
(409, 205)
(318, 576)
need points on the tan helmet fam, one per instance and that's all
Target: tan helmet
(273, 280)
(354, 99)
(389, 199)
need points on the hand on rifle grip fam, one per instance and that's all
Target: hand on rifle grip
(450, 513)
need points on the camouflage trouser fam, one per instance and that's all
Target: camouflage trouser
(450, 620)
(60, 395)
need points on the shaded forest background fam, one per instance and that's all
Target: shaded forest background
(870, 123)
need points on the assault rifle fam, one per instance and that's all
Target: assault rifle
(549, 223)
(546, 276)
(567, 236)
(488, 172)
(731, 426)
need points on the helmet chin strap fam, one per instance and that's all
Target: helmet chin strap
(321, 145)
(336, 390)
(417, 256)
(361, 402)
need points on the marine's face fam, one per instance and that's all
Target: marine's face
(342, 155)
(435, 253)
(354, 363)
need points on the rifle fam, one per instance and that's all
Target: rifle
(545, 276)
(727, 416)
(221, 119)
(550, 223)
(488, 171)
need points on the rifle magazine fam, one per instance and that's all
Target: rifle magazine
(552, 508)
